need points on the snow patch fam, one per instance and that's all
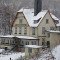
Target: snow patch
(56, 52)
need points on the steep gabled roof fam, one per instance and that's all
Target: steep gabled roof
(29, 15)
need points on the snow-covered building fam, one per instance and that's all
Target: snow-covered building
(40, 26)
(31, 50)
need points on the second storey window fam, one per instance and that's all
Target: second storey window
(33, 31)
(33, 42)
(25, 30)
(43, 30)
(20, 30)
(47, 21)
(27, 43)
(15, 30)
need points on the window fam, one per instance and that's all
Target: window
(43, 30)
(33, 31)
(59, 28)
(25, 30)
(33, 42)
(43, 41)
(47, 21)
(20, 21)
(27, 43)
(15, 30)
(20, 30)
(6, 41)
(51, 28)
(22, 42)
(48, 44)
(13, 42)
(3, 41)
(48, 34)
(36, 21)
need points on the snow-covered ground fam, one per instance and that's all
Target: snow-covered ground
(13, 56)
(56, 52)
(44, 55)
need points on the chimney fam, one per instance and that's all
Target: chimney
(37, 6)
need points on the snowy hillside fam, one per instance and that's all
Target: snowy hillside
(56, 52)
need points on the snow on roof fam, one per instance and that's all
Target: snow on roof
(33, 46)
(7, 36)
(23, 37)
(29, 14)
(52, 31)
(21, 10)
(54, 17)
(26, 37)
(40, 14)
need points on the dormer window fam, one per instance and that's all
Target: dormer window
(36, 21)
(56, 21)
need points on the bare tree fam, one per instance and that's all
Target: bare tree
(6, 16)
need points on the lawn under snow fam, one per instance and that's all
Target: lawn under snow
(13, 56)
(56, 52)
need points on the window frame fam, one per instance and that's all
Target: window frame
(20, 30)
(47, 21)
(43, 30)
(20, 21)
(25, 30)
(15, 30)
(33, 30)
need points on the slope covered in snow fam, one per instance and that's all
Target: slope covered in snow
(13, 56)
(56, 52)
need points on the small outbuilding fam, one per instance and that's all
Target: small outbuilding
(32, 50)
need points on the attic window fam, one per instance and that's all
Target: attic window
(56, 21)
(36, 21)
(47, 21)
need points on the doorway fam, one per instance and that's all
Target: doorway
(6, 48)
(48, 44)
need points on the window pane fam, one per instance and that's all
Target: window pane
(15, 30)
(33, 31)
(51, 28)
(43, 41)
(43, 30)
(46, 21)
(20, 30)
(27, 43)
(20, 21)
(33, 42)
(25, 30)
